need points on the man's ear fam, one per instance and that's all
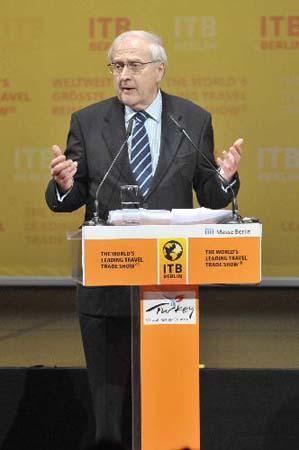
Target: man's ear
(161, 71)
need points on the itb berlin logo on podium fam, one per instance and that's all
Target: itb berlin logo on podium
(172, 258)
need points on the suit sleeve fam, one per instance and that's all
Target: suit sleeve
(76, 151)
(209, 189)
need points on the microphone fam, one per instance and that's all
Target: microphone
(236, 218)
(96, 219)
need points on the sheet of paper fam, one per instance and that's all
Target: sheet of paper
(164, 217)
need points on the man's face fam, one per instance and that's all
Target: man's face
(137, 90)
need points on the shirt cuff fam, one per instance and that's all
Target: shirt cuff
(228, 187)
(61, 197)
(224, 185)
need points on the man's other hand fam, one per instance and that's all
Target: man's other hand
(230, 161)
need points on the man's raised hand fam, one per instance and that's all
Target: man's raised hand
(62, 169)
(230, 160)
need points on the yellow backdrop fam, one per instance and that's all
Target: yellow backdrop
(239, 60)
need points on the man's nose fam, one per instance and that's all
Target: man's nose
(125, 73)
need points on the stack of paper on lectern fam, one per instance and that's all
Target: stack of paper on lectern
(164, 217)
(199, 215)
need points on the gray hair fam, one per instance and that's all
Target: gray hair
(156, 48)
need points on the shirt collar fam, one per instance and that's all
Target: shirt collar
(154, 110)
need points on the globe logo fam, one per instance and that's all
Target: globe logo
(172, 250)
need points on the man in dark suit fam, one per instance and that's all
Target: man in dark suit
(137, 62)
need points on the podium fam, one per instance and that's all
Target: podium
(164, 265)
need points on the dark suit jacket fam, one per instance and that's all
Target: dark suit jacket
(95, 136)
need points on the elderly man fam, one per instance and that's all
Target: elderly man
(167, 168)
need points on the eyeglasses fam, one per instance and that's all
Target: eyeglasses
(132, 67)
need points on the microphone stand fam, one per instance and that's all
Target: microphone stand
(96, 220)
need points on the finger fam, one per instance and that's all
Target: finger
(56, 150)
(69, 171)
(237, 145)
(56, 169)
(73, 171)
(64, 175)
(233, 155)
(57, 160)
(236, 156)
(229, 157)
(59, 167)
(238, 142)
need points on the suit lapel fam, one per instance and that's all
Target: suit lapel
(170, 140)
(114, 134)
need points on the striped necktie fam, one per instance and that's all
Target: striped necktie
(141, 160)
